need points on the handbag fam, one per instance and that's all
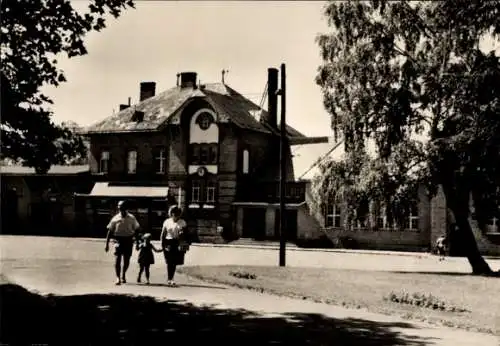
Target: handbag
(183, 246)
(180, 258)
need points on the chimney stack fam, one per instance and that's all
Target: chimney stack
(188, 79)
(148, 90)
(122, 107)
(272, 98)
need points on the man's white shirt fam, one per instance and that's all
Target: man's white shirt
(123, 226)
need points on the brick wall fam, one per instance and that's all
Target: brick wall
(177, 150)
(312, 221)
(381, 239)
(264, 161)
(119, 144)
(309, 228)
(439, 215)
(56, 213)
(23, 194)
(264, 156)
(228, 149)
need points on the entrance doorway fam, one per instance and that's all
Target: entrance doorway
(254, 223)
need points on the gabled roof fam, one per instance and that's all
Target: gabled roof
(54, 170)
(160, 109)
(157, 110)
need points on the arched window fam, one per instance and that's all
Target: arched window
(246, 161)
(204, 120)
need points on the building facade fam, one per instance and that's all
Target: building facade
(214, 153)
(427, 220)
(203, 147)
(41, 204)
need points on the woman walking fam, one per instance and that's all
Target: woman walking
(174, 242)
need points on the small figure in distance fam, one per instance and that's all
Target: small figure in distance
(441, 247)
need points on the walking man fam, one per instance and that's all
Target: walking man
(123, 228)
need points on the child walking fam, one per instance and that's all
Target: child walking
(146, 257)
(441, 247)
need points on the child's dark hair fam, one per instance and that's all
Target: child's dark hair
(174, 210)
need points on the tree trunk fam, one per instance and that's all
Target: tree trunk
(469, 245)
(460, 210)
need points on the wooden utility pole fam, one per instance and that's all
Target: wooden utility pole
(283, 146)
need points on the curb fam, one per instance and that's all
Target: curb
(347, 251)
(293, 248)
(296, 248)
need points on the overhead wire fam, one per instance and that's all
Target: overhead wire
(321, 159)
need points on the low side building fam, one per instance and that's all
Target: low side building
(41, 204)
(428, 219)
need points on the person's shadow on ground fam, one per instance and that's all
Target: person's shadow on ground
(27, 318)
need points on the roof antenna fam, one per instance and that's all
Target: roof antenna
(129, 101)
(223, 75)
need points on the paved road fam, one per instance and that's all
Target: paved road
(81, 249)
(73, 266)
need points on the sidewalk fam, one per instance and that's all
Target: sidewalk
(51, 276)
(266, 245)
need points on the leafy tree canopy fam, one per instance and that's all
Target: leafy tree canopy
(398, 72)
(34, 34)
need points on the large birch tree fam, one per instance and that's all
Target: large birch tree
(414, 78)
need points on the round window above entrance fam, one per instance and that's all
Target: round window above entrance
(204, 120)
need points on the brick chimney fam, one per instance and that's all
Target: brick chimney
(122, 106)
(188, 79)
(272, 99)
(148, 90)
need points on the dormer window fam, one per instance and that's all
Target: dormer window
(204, 120)
(138, 116)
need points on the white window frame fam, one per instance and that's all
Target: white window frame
(331, 217)
(132, 161)
(246, 161)
(161, 158)
(357, 223)
(383, 216)
(104, 162)
(412, 225)
(195, 187)
(210, 192)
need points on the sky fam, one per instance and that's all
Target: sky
(159, 39)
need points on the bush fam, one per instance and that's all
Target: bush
(243, 275)
(346, 242)
(422, 300)
(323, 242)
